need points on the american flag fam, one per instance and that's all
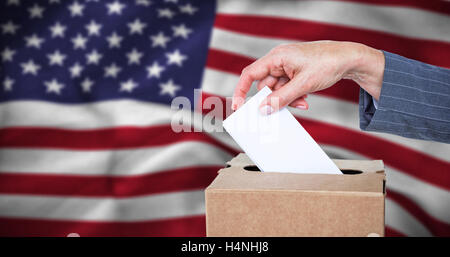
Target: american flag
(86, 145)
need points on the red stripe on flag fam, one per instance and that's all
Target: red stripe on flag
(390, 232)
(435, 6)
(429, 51)
(436, 227)
(234, 63)
(411, 162)
(108, 186)
(100, 139)
(186, 226)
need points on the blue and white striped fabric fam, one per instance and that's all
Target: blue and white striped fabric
(414, 101)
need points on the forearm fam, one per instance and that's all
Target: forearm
(366, 68)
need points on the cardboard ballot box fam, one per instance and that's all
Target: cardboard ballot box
(242, 201)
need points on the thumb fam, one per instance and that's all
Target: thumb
(282, 97)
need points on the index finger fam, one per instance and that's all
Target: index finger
(255, 71)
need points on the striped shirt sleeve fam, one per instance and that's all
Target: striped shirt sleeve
(414, 101)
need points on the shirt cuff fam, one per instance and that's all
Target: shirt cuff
(375, 103)
(367, 108)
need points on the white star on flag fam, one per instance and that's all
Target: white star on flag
(8, 83)
(115, 7)
(34, 41)
(165, 13)
(114, 40)
(58, 30)
(134, 56)
(93, 57)
(56, 58)
(176, 58)
(128, 86)
(169, 88)
(159, 40)
(154, 70)
(86, 85)
(188, 9)
(13, 2)
(7, 54)
(143, 2)
(79, 42)
(181, 31)
(136, 27)
(75, 70)
(36, 11)
(54, 86)
(112, 70)
(30, 67)
(9, 28)
(76, 9)
(93, 28)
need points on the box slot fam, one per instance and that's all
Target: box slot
(351, 172)
(344, 171)
(251, 168)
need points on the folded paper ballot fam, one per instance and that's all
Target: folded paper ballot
(276, 142)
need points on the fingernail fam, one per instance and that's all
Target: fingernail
(234, 104)
(266, 110)
(301, 106)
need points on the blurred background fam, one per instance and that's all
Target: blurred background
(86, 146)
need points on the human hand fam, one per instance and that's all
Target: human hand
(294, 70)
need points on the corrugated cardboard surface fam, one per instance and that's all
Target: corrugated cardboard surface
(251, 203)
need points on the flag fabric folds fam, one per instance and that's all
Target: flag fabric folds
(86, 144)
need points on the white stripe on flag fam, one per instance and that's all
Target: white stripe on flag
(243, 44)
(404, 21)
(402, 221)
(112, 162)
(158, 206)
(86, 116)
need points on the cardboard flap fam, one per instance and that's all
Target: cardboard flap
(238, 176)
(365, 166)
(241, 160)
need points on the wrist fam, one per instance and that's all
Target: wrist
(366, 68)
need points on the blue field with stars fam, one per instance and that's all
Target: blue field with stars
(87, 51)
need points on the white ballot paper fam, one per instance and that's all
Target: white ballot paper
(276, 142)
